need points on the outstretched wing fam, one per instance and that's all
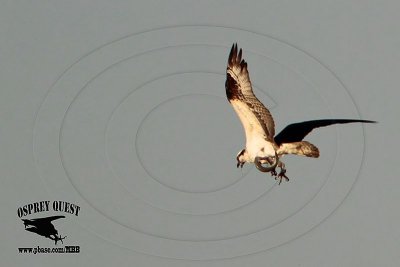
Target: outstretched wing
(47, 219)
(255, 117)
(297, 131)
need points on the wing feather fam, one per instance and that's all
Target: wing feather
(297, 131)
(48, 219)
(252, 113)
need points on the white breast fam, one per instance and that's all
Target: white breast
(256, 144)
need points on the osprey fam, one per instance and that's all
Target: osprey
(44, 227)
(261, 145)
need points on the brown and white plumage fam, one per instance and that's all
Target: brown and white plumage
(239, 90)
(256, 119)
(259, 126)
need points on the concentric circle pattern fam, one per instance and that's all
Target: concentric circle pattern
(141, 133)
(180, 123)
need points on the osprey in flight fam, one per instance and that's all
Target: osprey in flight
(44, 227)
(261, 145)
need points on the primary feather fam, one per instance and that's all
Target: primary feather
(254, 116)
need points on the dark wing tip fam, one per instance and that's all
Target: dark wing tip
(353, 120)
(235, 58)
(232, 55)
(236, 67)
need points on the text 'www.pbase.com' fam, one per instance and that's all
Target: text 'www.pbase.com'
(58, 250)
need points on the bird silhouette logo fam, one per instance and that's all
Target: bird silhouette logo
(44, 227)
